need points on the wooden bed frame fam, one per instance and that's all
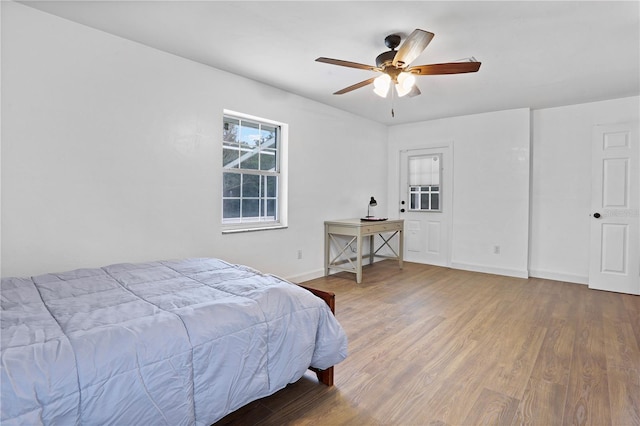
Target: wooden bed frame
(324, 376)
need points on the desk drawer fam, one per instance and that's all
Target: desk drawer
(342, 230)
(381, 227)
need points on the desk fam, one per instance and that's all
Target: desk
(357, 229)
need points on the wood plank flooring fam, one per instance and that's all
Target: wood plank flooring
(436, 346)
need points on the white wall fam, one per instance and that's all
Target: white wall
(561, 184)
(491, 185)
(111, 153)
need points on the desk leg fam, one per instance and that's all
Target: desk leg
(400, 247)
(372, 249)
(359, 260)
(327, 251)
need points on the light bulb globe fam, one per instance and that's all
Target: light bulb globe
(381, 85)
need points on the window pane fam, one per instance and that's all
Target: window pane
(424, 202)
(249, 159)
(435, 188)
(230, 129)
(250, 208)
(231, 185)
(230, 157)
(435, 201)
(435, 170)
(414, 201)
(267, 136)
(272, 186)
(250, 186)
(271, 209)
(230, 209)
(268, 160)
(249, 134)
(424, 170)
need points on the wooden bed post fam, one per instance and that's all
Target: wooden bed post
(324, 376)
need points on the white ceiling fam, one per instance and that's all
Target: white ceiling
(534, 54)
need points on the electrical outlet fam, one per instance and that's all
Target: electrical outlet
(299, 254)
(496, 249)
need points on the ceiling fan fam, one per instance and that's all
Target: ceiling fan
(395, 66)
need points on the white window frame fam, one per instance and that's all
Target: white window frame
(282, 190)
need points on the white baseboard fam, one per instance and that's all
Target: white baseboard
(490, 270)
(300, 278)
(559, 276)
(306, 276)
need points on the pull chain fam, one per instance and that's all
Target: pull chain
(393, 114)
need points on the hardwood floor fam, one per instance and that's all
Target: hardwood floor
(435, 346)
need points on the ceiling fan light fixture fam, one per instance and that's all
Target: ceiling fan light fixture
(397, 69)
(381, 85)
(405, 83)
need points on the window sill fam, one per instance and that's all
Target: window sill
(257, 228)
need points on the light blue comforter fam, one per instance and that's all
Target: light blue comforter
(174, 342)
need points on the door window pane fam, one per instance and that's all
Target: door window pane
(425, 175)
(424, 201)
(435, 201)
(424, 170)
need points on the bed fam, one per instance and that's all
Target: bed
(170, 342)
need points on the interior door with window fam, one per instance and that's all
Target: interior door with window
(425, 204)
(615, 202)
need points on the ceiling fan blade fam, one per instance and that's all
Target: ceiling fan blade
(355, 86)
(415, 91)
(412, 47)
(446, 68)
(347, 64)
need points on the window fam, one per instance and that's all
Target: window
(253, 178)
(424, 183)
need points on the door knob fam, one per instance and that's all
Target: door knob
(596, 215)
(401, 210)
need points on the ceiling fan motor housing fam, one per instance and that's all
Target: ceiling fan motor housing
(385, 58)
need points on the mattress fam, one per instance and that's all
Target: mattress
(170, 342)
